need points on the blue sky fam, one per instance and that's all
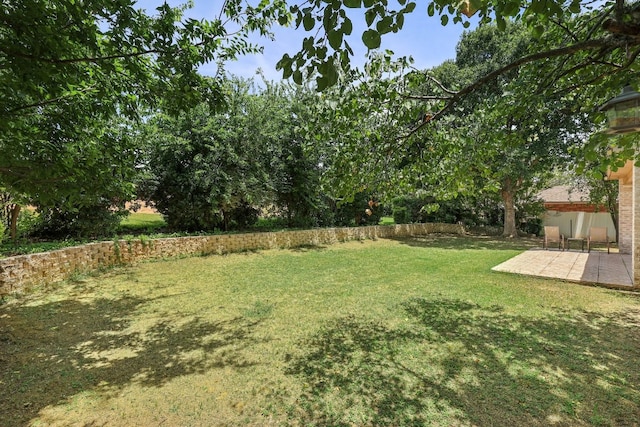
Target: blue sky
(422, 37)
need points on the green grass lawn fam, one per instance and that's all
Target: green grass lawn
(387, 220)
(414, 332)
(137, 221)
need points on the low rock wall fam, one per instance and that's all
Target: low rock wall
(22, 271)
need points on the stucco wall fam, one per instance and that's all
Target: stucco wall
(25, 270)
(577, 224)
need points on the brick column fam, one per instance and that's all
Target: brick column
(625, 216)
(635, 255)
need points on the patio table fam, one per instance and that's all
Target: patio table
(576, 239)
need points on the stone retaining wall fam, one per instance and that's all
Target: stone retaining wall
(22, 271)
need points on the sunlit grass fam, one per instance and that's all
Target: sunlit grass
(387, 220)
(407, 332)
(137, 221)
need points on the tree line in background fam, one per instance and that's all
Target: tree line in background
(111, 109)
(207, 170)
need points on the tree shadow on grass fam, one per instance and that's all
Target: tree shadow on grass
(469, 242)
(455, 363)
(53, 351)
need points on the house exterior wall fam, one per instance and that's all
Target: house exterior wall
(625, 216)
(635, 258)
(628, 178)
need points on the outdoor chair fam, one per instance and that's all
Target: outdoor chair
(598, 235)
(552, 234)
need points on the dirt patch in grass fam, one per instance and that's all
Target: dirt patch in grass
(364, 333)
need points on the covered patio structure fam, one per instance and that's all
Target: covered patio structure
(619, 270)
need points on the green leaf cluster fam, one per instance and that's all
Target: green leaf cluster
(327, 53)
(73, 72)
(331, 24)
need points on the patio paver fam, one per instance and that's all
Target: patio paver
(594, 268)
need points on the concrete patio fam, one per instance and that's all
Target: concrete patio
(596, 267)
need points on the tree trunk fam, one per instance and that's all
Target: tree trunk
(611, 201)
(508, 194)
(15, 211)
(613, 210)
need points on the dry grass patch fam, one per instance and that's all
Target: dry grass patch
(407, 332)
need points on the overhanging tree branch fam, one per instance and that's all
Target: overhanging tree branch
(88, 59)
(613, 70)
(608, 43)
(48, 101)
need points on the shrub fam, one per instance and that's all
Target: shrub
(529, 216)
(363, 210)
(28, 222)
(408, 209)
(401, 215)
(243, 216)
(86, 222)
(470, 211)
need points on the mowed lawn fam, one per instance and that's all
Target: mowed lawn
(414, 332)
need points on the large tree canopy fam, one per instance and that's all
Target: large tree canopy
(503, 138)
(513, 137)
(327, 50)
(67, 68)
(209, 170)
(116, 54)
(507, 111)
(585, 53)
(203, 166)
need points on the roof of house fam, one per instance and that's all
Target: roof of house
(564, 194)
